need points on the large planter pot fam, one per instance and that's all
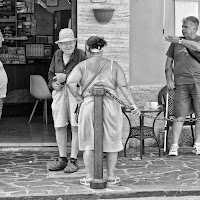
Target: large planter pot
(103, 15)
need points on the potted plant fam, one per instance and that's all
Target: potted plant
(103, 14)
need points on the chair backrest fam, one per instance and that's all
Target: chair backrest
(162, 99)
(39, 88)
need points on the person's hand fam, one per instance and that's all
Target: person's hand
(135, 110)
(170, 85)
(79, 99)
(56, 86)
(60, 77)
(173, 39)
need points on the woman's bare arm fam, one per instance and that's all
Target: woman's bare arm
(123, 86)
(73, 79)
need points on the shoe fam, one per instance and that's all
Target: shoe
(196, 149)
(58, 165)
(72, 166)
(113, 181)
(174, 150)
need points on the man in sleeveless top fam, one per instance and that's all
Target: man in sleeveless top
(64, 104)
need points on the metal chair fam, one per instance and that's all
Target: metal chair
(169, 108)
(39, 89)
(148, 132)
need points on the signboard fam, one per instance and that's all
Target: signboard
(52, 2)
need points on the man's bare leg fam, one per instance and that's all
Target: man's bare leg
(176, 131)
(61, 139)
(73, 163)
(74, 143)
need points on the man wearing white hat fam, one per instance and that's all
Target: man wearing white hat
(64, 104)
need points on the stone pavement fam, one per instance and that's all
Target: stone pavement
(24, 175)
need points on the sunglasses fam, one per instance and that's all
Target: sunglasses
(70, 43)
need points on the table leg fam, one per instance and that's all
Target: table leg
(143, 145)
(141, 135)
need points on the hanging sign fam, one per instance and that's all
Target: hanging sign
(52, 2)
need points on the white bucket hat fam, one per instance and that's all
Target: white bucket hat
(66, 35)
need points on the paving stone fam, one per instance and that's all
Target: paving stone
(32, 176)
(19, 193)
(58, 191)
(38, 192)
(9, 189)
(25, 173)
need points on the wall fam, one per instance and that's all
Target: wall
(135, 32)
(147, 47)
(115, 32)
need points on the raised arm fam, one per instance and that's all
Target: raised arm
(190, 44)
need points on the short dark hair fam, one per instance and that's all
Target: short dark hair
(96, 42)
(192, 19)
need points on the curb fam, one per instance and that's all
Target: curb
(98, 196)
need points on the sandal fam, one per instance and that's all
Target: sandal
(71, 167)
(85, 181)
(113, 181)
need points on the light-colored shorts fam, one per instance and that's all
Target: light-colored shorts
(187, 100)
(63, 107)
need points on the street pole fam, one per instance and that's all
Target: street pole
(98, 182)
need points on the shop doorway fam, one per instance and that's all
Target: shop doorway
(62, 20)
(18, 103)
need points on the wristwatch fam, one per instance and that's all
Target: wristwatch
(180, 41)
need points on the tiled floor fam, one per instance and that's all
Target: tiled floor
(17, 132)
